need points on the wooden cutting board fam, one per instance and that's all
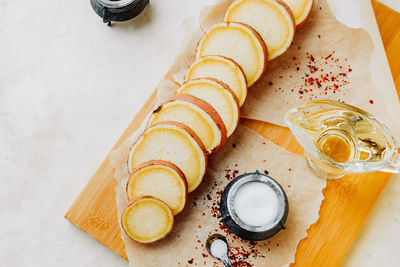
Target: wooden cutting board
(347, 203)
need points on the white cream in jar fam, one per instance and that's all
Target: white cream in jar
(256, 204)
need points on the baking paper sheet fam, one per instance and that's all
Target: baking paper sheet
(245, 151)
(348, 54)
(328, 59)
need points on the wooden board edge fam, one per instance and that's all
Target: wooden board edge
(391, 45)
(74, 217)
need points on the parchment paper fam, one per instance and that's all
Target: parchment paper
(327, 59)
(340, 70)
(244, 152)
(323, 46)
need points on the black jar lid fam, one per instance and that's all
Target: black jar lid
(242, 229)
(118, 10)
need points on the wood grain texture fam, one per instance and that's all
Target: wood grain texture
(388, 23)
(347, 203)
(95, 211)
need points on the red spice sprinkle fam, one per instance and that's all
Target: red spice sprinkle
(190, 261)
(263, 143)
(371, 101)
(288, 186)
(241, 255)
(318, 80)
(199, 226)
(294, 58)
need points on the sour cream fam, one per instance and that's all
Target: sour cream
(218, 248)
(256, 204)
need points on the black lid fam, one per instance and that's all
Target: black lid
(120, 10)
(240, 228)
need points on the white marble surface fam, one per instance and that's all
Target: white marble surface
(69, 86)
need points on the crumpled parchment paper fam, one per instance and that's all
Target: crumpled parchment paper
(245, 151)
(327, 59)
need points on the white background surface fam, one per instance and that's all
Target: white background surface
(69, 86)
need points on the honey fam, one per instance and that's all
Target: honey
(344, 135)
(336, 146)
(340, 139)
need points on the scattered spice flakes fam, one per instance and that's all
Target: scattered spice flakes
(371, 101)
(191, 261)
(323, 75)
(266, 172)
(240, 255)
(233, 145)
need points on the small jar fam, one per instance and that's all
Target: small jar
(118, 10)
(238, 225)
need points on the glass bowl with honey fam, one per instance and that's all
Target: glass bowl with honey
(339, 138)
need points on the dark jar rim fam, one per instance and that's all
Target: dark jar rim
(240, 228)
(121, 10)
